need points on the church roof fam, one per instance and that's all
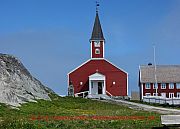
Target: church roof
(97, 33)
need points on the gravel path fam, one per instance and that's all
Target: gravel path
(138, 106)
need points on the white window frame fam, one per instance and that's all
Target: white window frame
(177, 85)
(147, 94)
(162, 85)
(154, 84)
(97, 51)
(171, 95)
(147, 85)
(178, 94)
(163, 94)
(171, 85)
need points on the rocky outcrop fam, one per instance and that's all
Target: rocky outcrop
(17, 86)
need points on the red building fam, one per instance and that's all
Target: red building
(97, 77)
(166, 83)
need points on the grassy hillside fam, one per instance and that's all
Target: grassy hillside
(75, 113)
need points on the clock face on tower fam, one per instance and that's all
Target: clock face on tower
(97, 43)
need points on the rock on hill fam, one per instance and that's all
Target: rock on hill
(17, 86)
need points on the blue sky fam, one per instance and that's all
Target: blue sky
(51, 37)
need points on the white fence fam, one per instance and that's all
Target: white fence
(161, 100)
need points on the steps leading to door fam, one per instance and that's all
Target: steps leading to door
(98, 96)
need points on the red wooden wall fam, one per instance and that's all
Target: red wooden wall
(111, 72)
(167, 90)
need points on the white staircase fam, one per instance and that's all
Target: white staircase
(99, 96)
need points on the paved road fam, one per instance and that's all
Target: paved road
(145, 107)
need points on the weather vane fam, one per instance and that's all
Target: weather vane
(97, 5)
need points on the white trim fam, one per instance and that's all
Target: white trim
(89, 86)
(142, 91)
(103, 49)
(91, 49)
(97, 59)
(127, 83)
(140, 74)
(79, 66)
(115, 66)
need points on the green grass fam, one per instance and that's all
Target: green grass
(69, 106)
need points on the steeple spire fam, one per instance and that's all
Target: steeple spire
(97, 33)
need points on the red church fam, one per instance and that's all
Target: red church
(97, 77)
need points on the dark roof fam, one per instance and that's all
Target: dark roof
(97, 33)
(164, 73)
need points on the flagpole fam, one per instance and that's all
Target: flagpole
(155, 70)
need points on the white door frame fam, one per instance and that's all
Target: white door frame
(94, 79)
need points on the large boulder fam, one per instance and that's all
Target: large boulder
(17, 85)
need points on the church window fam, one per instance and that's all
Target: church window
(97, 44)
(97, 51)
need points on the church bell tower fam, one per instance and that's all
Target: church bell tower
(97, 40)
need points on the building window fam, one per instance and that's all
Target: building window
(97, 44)
(155, 85)
(177, 85)
(178, 94)
(148, 94)
(171, 95)
(163, 95)
(171, 86)
(148, 86)
(163, 86)
(97, 51)
(155, 94)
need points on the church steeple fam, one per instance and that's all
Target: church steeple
(97, 39)
(97, 33)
